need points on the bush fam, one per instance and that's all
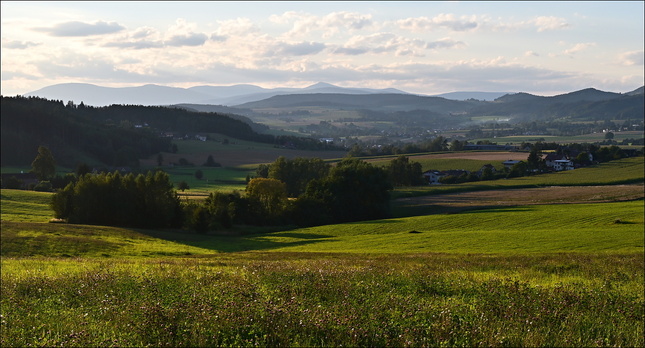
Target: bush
(43, 186)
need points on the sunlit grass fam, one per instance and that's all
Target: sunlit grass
(624, 171)
(293, 299)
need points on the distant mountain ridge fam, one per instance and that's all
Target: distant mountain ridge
(245, 100)
(157, 95)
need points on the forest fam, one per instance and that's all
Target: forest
(113, 135)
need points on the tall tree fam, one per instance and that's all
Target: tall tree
(43, 165)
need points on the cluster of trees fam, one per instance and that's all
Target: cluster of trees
(147, 201)
(436, 144)
(303, 192)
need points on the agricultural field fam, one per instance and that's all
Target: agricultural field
(619, 172)
(586, 138)
(516, 263)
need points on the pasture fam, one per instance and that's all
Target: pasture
(586, 138)
(501, 275)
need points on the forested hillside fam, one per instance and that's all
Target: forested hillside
(116, 135)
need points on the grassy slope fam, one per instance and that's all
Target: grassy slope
(534, 229)
(497, 277)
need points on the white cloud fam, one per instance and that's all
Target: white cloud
(191, 39)
(76, 28)
(579, 47)
(20, 45)
(328, 25)
(445, 43)
(298, 49)
(550, 23)
(239, 27)
(632, 58)
(448, 21)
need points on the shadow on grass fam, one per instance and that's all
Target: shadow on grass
(239, 243)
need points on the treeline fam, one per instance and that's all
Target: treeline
(147, 201)
(108, 135)
(28, 123)
(302, 192)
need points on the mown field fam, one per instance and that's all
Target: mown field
(524, 275)
(624, 171)
(586, 138)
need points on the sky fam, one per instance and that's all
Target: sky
(424, 47)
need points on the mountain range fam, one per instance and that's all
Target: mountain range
(249, 100)
(149, 94)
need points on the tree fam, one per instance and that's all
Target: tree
(199, 174)
(270, 193)
(297, 173)
(354, 190)
(82, 169)
(159, 159)
(210, 162)
(183, 186)
(402, 172)
(609, 136)
(535, 161)
(43, 165)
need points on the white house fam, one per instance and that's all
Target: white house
(433, 176)
(563, 164)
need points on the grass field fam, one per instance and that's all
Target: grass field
(586, 138)
(540, 275)
(624, 171)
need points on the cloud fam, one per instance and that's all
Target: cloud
(329, 25)
(445, 43)
(632, 58)
(192, 39)
(218, 38)
(447, 21)
(20, 45)
(298, 49)
(81, 29)
(236, 27)
(550, 23)
(137, 45)
(531, 54)
(380, 43)
(579, 47)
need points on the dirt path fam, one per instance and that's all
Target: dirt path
(545, 195)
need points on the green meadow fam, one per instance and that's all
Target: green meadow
(541, 275)
(624, 171)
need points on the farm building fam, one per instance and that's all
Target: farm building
(433, 176)
(510, 163)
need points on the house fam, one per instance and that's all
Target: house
(456, 172)
(564, 164)
(559, 162)
(510, 163)
(550, 159)
(432, 176)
